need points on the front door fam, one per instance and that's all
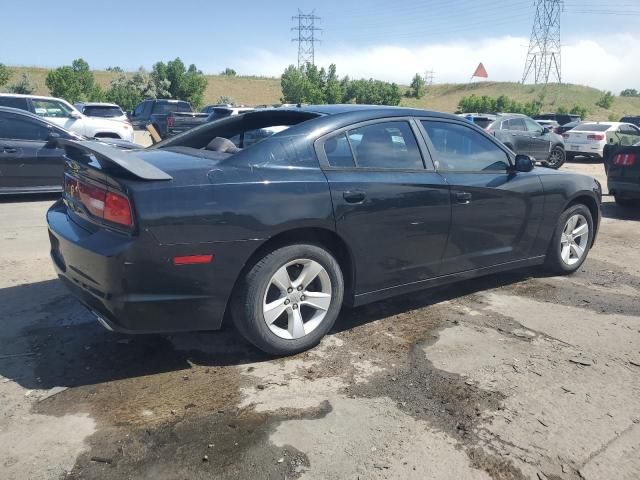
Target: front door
(540, 141)
(389, 204)
(495, 211)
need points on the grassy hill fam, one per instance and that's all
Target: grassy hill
(441, 97)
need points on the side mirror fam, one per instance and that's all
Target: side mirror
(52, 140)
(545, 130)
(524, 163)
(76, 115)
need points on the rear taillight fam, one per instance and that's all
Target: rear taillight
(624, 159)
(99, 202)
(595, 136)
(171, 121)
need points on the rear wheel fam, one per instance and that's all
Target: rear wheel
(289, 299)
(556, 157)
(571, 240)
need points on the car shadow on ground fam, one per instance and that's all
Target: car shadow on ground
(58, 343)
(611, 209)
(585, 160)
(36, 197)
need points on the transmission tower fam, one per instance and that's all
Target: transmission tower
(543, 57)
(428, 77)
(306, 37)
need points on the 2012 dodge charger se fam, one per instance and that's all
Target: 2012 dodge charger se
(275, 218)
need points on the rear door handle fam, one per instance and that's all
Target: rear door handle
(9, 150)
(463, 197)
(355, 196)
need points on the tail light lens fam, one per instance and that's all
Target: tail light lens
(624, 159)
(595, 136)
(171, 121)
(99, 202)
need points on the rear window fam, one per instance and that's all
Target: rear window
(482, 122)
(592, 127)
(168, 107)
(14, 102)
(103, 111)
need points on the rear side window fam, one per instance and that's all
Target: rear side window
(13, 127)
(461, 148)
(102, 111)
(14, 102)
(338, 151)
(514, 124)
(386, 145)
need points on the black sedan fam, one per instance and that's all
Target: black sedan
(340, 205)
(30, 159)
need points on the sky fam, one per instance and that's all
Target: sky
(365, 39)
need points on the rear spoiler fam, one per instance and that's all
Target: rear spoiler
(104, 154)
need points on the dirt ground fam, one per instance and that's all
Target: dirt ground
(512, 376)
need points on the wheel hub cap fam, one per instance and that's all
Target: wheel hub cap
(574, 238)
(297, 299)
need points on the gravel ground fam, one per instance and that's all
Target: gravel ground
(512, 376)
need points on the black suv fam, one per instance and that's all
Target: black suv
(634, 119)
(526, 136)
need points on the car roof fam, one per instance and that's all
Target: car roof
(98, 104)
(36, 97)
(362, 111)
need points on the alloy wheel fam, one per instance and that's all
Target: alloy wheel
(574, 238)
(297, 299)
(555, 157)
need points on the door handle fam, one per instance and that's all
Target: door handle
(9, 150)
(355, 196)
(463, 197)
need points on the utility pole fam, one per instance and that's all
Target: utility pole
(306, 37)
(428, 77)
(543, 62)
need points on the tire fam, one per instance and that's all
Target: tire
(625, 202)
(299, 325)
(556, 157)
(557, 260)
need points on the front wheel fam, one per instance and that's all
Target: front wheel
(571, 240)
(556, 157)
(289, 299)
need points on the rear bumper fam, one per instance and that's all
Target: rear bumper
(131, 283)
(625, 189)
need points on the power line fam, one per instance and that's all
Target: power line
(544, 54)
(306, 37)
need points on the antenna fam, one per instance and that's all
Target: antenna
(306, 37)
(544, 54)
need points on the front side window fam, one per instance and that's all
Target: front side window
(386, 145)
(139, 109)
(15, 128)
(461, 148)
(532, 127)
(51, 109)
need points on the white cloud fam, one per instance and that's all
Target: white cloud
(608, 62)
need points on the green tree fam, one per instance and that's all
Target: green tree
(292, 83)
(606, 100)
(23, 86)
(629, 92)
(174, 80)
(418, 87)
(5, 74)
(562, 110)
(225, 100)
(115, 69)
(229, 72)
(580, 111)
(74, 83)
(129, 90)
(334, 89)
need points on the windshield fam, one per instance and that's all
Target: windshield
(103, 111)
(592, 127)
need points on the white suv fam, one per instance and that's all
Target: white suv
(111, 111)
(62, 113)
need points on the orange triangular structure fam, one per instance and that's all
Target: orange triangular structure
(480, 71)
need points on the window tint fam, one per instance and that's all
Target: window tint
(533, 127)
(51, 108)
(629, 130)
(514, 124)
(592, 127)
(139, 109)
(460, 148)
(17, 128)
(103, 111)
(14, 102)
(338, 151)
(167, 107)
(386, 145)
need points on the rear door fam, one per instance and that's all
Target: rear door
(25, 162)
(516, 135)
(390, 205)
(495, 212)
